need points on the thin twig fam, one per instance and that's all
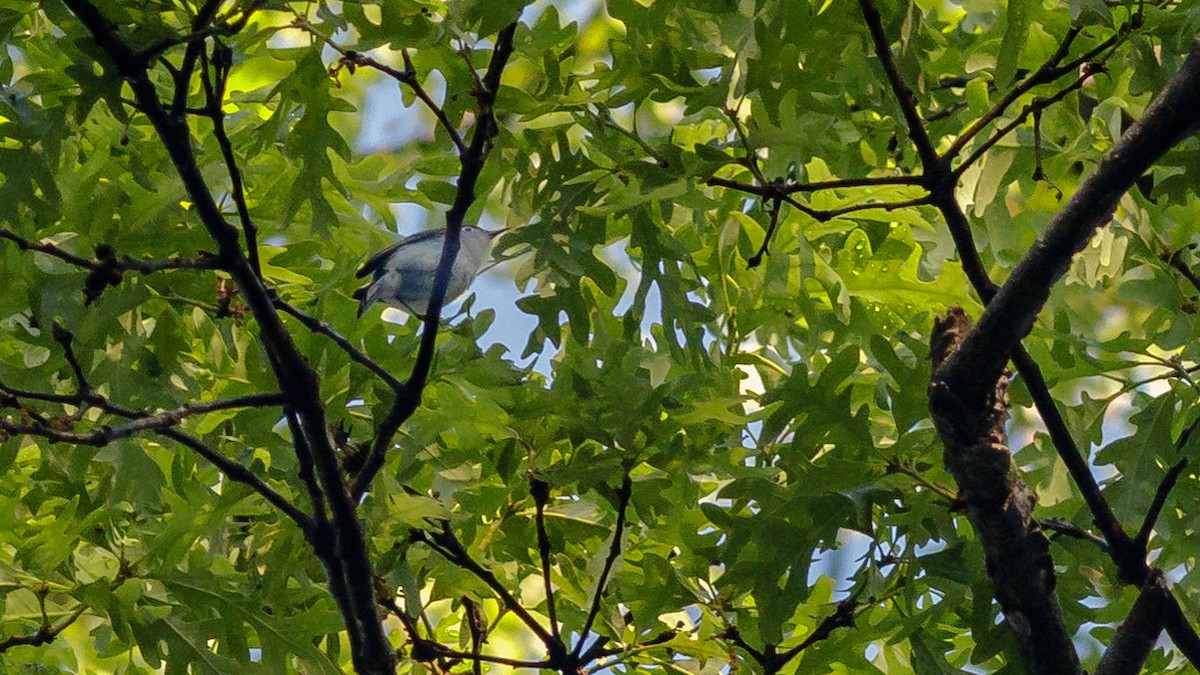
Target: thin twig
(238, 473)
(605, 120)
(1175, 260)
(886, 206)
(449, 547)
(1033, 109)
(540, 490)
(1142, 540)
(45, 633)
(756, 259)
(1051, 70)
(161, 423)
(406, 77)
(837, 183)
(1069, 529)
(123, 262)
(357, 355)
(155, 422)
(624, 493)
(214, 94)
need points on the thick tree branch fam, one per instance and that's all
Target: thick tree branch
(1172, 115)
(1000, 508)
(1129, 559)
(1135, 637)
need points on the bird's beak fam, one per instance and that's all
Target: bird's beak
(495, 233)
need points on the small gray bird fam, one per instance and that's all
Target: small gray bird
(404, 272)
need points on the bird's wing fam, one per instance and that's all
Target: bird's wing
(375, 262)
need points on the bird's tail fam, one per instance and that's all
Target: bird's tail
(361, 296)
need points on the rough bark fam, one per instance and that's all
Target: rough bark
(1000, 508)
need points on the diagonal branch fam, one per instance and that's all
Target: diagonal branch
(1034, 109)
(1052, 69)
(357, 355)
(1000, 507)
(1009, 316)
(1142, 540)
(624, 493)
(1175, 260)
(1130, 562)
(1135, 637)
(237, 472)
(904, 95)
(471, 162)
(449, 547)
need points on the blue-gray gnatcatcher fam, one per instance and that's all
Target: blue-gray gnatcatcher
(404, 271)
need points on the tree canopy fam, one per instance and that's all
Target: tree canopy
(834, 337)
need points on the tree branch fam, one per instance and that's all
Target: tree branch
(1000, 507)
(449, 547)
(540, 490)
(406, 77)
(357, 355)
(1173, 114)
(1142, 540)
(905, 96)
(237, 472)
(45, 633)
(214, 96)
(1130, 561)
(161, 423)
(471, 162)
(370, 649)
(1175, 260)
(1033, 109)
(1135, 637)
(154, 422)
(624, 493)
